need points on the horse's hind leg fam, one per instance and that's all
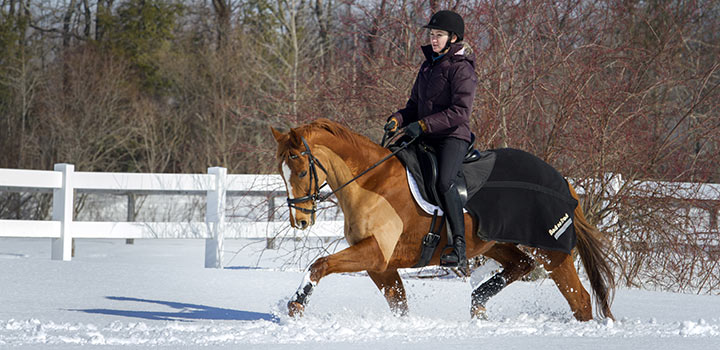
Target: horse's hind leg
(391, 286)
(515, 264)
(562, 271)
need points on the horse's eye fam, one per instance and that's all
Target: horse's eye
(302, 174)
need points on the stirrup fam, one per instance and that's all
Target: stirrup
(445, 263)
(451, 254)
(445, 252)
(461, 268)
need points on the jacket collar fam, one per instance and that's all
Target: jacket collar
(454, 49)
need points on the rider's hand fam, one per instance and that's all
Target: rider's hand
(391, 125)
(414, 129)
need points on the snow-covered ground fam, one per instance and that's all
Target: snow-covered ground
(157, 293)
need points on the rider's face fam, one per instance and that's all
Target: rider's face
(438, 39)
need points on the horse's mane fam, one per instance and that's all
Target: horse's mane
(325, 129)
(338, 130)
(308, 131)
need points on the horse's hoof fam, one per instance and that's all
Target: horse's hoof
(399, 311)
(295, 309)
(478, 312)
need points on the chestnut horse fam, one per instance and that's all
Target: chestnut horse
(385, 227)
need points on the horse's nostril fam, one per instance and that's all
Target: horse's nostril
(303, 224)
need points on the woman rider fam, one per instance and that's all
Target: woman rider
(438, 111)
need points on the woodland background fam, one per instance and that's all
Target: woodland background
(594, 87)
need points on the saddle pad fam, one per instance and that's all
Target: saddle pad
(515, 196)
(525, 201)
(425, 205)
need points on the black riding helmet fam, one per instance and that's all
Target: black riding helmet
(448, 21)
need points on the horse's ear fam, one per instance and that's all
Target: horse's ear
(279, 136)
(294, 138)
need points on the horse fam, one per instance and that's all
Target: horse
(384, 226)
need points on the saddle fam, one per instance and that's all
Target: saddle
(421, 162)
(429, 166)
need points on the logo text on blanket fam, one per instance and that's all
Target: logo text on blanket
(559, 228)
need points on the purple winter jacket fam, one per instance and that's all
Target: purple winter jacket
(442, 95)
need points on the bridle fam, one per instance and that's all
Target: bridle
(313, 164)
(313, 196)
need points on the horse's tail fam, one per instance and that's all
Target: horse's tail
(593, 248)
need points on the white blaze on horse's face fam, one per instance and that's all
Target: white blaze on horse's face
(287, 173)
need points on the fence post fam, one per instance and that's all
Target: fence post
(270, 241)
(130, 214)
(215, 218)
(615, 184)
(63, 211)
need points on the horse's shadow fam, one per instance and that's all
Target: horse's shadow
(183, 312)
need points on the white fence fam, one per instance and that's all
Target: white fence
(216, 185)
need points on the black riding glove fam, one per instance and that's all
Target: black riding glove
(391, 125)
(414, 130)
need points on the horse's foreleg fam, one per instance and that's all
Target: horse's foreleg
(391, 286)
(515, 264)
(365, 255)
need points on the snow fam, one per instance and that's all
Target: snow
(157, 293)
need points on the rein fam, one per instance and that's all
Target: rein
(315, 197)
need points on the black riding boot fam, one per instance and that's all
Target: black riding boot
(456, 224)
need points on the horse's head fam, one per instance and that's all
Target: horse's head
(303, 174)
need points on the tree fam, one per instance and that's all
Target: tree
(138, 31)
(18, 83)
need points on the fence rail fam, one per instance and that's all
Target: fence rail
(216, 185)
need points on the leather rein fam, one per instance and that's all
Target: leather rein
(314, 163)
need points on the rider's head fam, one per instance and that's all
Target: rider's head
(446, 27)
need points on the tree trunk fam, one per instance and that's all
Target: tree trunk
(103, 9)
(67, 19)
(223, 12)
(322, 13)
(374, 29)
(88, 19)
